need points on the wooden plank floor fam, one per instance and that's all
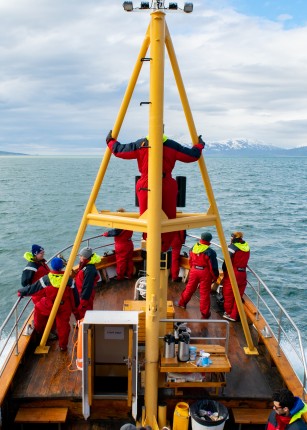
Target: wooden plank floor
(54, 376)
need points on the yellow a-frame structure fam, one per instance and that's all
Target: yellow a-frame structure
(157, 37)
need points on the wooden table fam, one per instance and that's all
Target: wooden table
(215, 372)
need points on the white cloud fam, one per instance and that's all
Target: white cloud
(66, 65)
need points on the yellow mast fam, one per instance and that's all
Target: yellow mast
(157, 36)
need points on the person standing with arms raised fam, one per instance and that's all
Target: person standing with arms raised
(172, 152)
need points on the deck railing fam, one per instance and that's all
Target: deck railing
(10, 330)
(281, 325)
(221, 339)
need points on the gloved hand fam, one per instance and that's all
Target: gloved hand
(201, 141)
(105, 234)
(109, 136)
(22, 292)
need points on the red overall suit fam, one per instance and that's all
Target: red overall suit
(176, 245)
(33, 271)
(203, 271)
(172, 152)
(123, 252)
(86, 279)
(49, 286)
(239, 252)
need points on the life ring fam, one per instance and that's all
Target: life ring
(79, 359)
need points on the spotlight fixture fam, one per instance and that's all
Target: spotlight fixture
(173, 6)
(144, 5)
(188, 7)
(128, 6)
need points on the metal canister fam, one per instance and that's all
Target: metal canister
(184, 347)
(169, 346)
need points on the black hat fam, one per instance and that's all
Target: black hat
(36, 249)
(206, 236)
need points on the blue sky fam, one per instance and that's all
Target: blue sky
(65, 66)
(292, 12)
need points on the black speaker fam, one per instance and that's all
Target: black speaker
(136, 200)
(182, 184)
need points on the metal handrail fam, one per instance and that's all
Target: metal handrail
(225, 338)
(259, 291)
(278, 314)
(257, 296)
(14, 332)
(13, 327)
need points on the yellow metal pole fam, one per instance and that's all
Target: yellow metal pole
(157, 54)
(42, 346)
(91, 202)
(131, 85)
(206, 180)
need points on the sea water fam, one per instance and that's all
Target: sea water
(42, 200)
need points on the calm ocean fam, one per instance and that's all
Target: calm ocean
(42, 200)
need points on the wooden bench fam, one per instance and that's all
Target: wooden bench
(41, 416)
(250, 416)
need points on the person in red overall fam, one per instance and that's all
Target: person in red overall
(35, 269)
(123, 251)
(50, 285)
(239, 253)
(172, 152)
(86, 279)
(176, 245)
(203, 271)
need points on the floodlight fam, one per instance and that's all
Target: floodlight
(128, 6)
(144, 5)
(173, 6)
(188, 7)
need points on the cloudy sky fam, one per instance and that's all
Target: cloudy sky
(65, 65)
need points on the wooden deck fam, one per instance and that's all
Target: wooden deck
(53, 381)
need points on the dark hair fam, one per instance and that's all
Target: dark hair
(285, 398)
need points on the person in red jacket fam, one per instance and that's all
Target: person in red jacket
(172, 152)
(35, 269)
(49, 285)
(239, 252)
(203, 271)
(176, 245)
(86, 279)
(123, 251)
(287, 412)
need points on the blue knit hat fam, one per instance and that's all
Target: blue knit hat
(57, 264)
(36, 249)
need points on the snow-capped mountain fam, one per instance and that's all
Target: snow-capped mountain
(244, 147)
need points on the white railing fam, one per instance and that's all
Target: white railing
(280, 324)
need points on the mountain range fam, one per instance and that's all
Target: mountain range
(244, 147)
(237, 148)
